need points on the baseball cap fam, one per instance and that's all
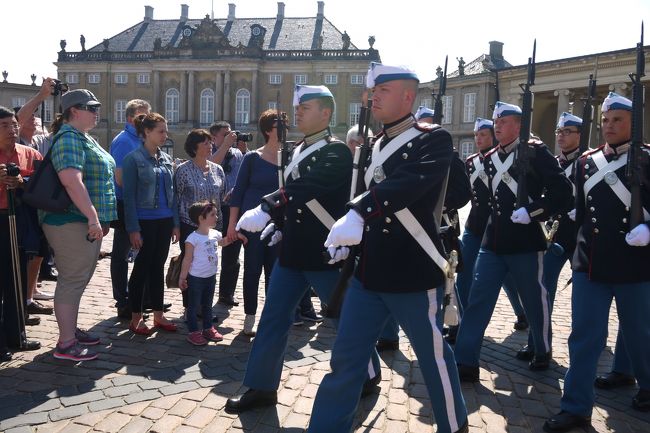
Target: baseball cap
(78, 97)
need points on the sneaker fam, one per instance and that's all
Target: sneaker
(84, 338)
(249, 325)
(212, 334)
(297, 320)
(74, 352)
(43, 296)
(36, 307)
(196, 338)
(311, 316)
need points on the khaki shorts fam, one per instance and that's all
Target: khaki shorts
(75, 258)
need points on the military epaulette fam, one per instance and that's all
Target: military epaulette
(333, 139)
(426, 127)
(590, 151)
(472, 156)
(491, 151)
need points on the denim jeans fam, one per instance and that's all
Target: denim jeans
(258, 256)
(200, 292)
(229, 261)
(120, 267)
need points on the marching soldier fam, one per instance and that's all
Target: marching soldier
(513, 243)
(610, 261)
(401, 270)
(458, 194)
(477, 220)
(317, 182)
(567, 133)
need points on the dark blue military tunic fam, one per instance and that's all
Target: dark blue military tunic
(601, 249)
(548, 188)
(391, 259)
(325, 176)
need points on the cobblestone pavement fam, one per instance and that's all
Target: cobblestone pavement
(162, 384)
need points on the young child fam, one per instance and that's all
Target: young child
(199, 270)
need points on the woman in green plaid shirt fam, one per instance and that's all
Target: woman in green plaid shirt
(86, 172)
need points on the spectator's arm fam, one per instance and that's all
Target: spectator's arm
(30, 106)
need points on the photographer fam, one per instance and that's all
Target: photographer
(226, 154)
(16, 161)
(40, 265)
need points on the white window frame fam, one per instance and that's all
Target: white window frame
(18, 101)
(48, 112)
(355, 111)
(72, 78)
(121, 78)
(332, 123)
(447, 109)
(206, 108)
(426, 102)
(469, 107)
(172, 105)
(293, 118)
(331, 79)
(467, 148)
(272, 105)
(94, 78)
(275, 78)
(120, 110)
(357, 79)
(300, 79)
(242, 107)
(143, 78)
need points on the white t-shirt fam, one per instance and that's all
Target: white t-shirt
(205, 259)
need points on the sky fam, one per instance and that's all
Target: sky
(417, 34)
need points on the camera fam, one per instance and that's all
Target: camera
(244, 136)
(59, 88)
(13, 170)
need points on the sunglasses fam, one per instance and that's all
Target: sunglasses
(90, 108)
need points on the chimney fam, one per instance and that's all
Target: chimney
(231, 12)
(280, 11)
(321, 8)
(184, 12)
(496, 50)
(148, 13)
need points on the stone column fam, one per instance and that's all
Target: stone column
(562, 101)
(191, 118)
(620, 88)
(218, 97)
(155, 101)
(182, 100)
(226, 98)
(253, 108)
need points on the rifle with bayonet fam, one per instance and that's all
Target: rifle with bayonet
(524, 153)
(283, 152)
(587, 115)
(358, 186)
(637, 158)
(437, 98)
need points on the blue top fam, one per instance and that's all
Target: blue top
(231, 164)
(163, 210)
(257, 178)
(125, 142)
(146, 180)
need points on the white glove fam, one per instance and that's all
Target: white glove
(639, 236)
(253, 220)
(275, 237)
(337, 254)
(520, 216)
(572, 214)
(347, 230)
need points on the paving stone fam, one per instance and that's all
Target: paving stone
(113, 423)
(107, 403)
(90, 419)
(23, 420)
(183, 408)
(166, 424)
(68, 412)
(181, 387)
(142, 396)
(137, 425)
